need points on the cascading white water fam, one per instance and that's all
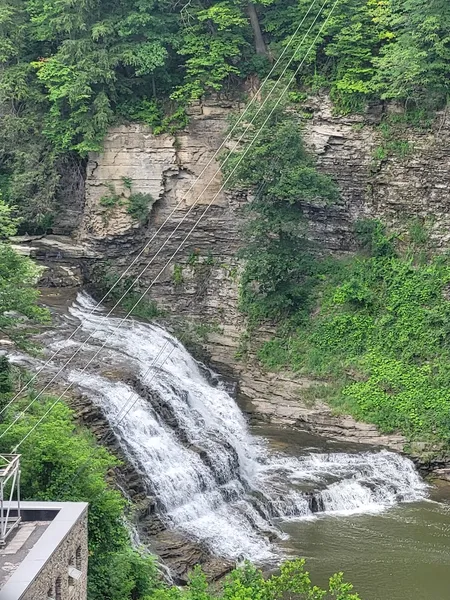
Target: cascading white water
(210, 477)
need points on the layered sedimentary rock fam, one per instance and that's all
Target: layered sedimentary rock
(196, 225)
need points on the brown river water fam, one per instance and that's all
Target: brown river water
(400, 554)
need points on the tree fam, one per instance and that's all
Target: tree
(100, 48)
(260, 45)
(8, 223)
(279, 268)
(18, 296)
(415, 68)
(213, 40)
(248, 582)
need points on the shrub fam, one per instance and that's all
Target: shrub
(380, 335)
(139, 206)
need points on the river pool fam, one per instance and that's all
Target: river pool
(400, 554)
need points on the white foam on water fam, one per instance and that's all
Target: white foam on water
(211, 478)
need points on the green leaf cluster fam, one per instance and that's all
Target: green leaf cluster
(18, 295)
(128, 294)
(379, 335)
(415, 66)
(280, 268)
(137, 203)
(249, 583)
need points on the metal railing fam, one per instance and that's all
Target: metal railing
(9, 493)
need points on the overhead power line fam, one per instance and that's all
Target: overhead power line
(241, 158)
(130, 403)
(173, 211)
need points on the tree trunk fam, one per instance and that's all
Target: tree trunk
(260, 44)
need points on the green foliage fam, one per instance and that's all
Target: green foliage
(6, 385)
(8, 223)
(127, 183)
(418, 233)
(63, 461)
(5, 375)
(280, 269)
(137, 204)
(212, 43)
(124, 575)
(415, 67)
(392, 130)
(248, 582)
(143, 110)
(380, 335)
(372, 237)
(18, 296)
(110, 202)
(177, 275)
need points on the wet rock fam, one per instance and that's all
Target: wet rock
(182, 555)
(443, 473)
(178, 552)
(315, 503)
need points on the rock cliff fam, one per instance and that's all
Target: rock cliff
(193, 226)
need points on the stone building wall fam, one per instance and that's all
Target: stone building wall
(56, 568)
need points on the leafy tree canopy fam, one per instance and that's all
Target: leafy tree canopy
(69, 69)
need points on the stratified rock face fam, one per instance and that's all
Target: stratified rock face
(181, 170)
(392, 189)
(183, 177)
(192, 224)
(133, 154)
(190, 263)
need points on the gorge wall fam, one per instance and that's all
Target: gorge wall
(201, 283)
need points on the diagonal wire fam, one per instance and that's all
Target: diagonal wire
(261, 107)
(147, 245)
(241, 158)
(129, 404)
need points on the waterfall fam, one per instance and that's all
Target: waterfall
(210, 477)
